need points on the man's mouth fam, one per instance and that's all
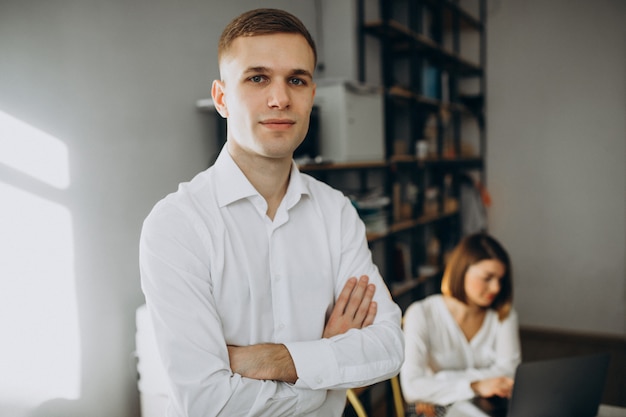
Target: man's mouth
(278, 123)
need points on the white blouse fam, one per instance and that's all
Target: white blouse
(440, 363)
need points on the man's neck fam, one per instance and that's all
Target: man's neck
(269, 176)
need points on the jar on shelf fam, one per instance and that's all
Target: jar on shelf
(431, 201)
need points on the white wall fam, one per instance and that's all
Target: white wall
(338, 41)
(557, 157)
(114, 83)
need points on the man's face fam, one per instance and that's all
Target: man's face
(266, 93)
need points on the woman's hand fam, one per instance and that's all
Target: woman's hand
(500, 386)
(425, 409)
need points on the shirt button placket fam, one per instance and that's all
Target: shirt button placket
(275, 282)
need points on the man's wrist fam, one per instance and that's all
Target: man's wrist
(278, 364)
(264, 361)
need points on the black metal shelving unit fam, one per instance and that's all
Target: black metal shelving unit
(424, 69)
(431, 57)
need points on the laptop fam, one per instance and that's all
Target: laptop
(565, 387)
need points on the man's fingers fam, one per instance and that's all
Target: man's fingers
(354, 308)
(345, 296)
(371, 314)
(366, 302)
(358, 297)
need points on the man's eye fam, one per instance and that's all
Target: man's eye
(298, 81)
(256, 78)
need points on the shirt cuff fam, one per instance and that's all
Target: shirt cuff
(464, 390)
(315, 364)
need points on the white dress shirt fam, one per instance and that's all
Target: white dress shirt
(217, 271)
(440, 363)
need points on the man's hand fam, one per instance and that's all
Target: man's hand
(500, 386)
(264, 361)
(354, 308)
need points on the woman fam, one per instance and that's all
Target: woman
(463, 343)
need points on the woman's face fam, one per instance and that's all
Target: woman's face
(483, 282)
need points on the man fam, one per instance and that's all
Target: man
(249, 270)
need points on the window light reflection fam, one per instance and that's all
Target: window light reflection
(33, 152)
(40, 354)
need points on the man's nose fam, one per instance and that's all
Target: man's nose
(278, 95)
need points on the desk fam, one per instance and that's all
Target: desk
(611, 411)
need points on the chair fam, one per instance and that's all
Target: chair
(398, 400)
(356, 403)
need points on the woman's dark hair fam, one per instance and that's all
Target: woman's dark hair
(471, 250)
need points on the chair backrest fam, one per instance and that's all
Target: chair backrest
(356, 403)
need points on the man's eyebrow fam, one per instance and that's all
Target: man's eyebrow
(265, 70)
(302, 72)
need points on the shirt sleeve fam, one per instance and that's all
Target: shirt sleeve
(419, 383)
(358, 357)
(189, 332)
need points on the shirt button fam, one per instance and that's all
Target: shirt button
(281, 326)
(319, 380)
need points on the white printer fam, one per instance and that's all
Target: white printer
(351, 121)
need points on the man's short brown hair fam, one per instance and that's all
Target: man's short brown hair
(263, 22)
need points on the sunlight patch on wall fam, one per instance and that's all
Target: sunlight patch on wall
(40, 352)
(40, 355)
(33, 152)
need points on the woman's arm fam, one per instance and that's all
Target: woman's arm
(447, 386)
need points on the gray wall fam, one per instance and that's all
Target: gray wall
(116, 82)
(557, 158)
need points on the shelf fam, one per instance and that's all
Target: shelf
(459, 162)
(401, 288)
(405, 41)
(420, 221)
(373, 237)
(465, 18)
(463, 162)
(403, 94)
(406, 225)
(344, 166)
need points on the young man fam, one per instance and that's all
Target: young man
(249, 270)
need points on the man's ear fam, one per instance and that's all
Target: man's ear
(217, 93)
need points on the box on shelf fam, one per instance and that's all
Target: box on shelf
(351, 121)
(373, 212)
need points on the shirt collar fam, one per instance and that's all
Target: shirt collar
(233, 184)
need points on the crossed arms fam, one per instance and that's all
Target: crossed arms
(235, 344)
(354, 309)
